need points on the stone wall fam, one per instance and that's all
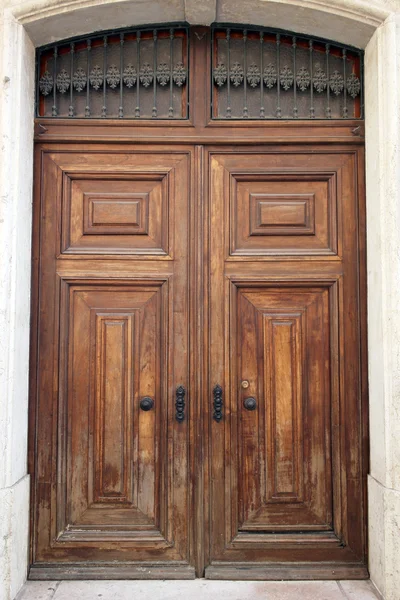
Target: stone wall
(16, 135)
(383, 263)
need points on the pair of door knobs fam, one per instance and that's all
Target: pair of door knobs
(250, 403)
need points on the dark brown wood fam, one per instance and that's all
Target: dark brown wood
(292, 571)
(198, 253)
(48, 572)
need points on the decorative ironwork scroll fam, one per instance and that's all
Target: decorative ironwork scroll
(130, 74)
(256, 74)
(265, 74)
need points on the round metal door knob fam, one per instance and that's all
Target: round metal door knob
(250, 403)
(146, 403)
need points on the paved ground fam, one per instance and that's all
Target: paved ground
(200, 589)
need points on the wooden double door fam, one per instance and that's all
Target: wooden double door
(197, 362)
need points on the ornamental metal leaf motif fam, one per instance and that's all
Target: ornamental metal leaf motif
(237, 74)
(129, 76)
(286, 78)
(179, 74)
(303, 79)
(320, 79)
(79, 80)
(253, 76)
(63, 81)
(353, 85)
(336, 83)
(146, 75)
(270, 77)
(163, 74)
(46, 83)
(113, 76)
(96, 77)
(220, 74)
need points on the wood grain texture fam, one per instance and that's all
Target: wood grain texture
(279, 323)
(112, 481)
(283, 352)
(198, 253)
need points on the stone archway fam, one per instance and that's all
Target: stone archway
(371, 23)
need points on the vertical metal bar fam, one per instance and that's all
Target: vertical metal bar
(137, 109)
(345, 109)
(37, 97)
(328, 111)
(312, 109)
(361, 85)
(187, 66)
(295, 109)
(228, 106)
(262, 109)
(54, 107)
(171, 68)
(213, 64)
(104, 109)
(121, 70)
(71, 87)
(87, 107)
(245, 109)
(154, 112)
(278, 75)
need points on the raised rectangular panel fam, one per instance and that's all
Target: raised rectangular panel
(282, 337)
(113, 403)
(116, 214)
(281, 214)
(111, 479)
(284, 461)
(123, 214)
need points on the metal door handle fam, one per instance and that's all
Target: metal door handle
(146, 403)
(180, 403)
(218, 403)
(250, 403)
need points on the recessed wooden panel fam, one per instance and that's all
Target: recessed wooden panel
(284, 354)
(282, 341)
(117, 214)
(280, 214)
(125, 214)
(113, 406)
(113, 340)
(277, 204)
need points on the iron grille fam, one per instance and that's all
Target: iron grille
(129, 74)
(269, 74)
